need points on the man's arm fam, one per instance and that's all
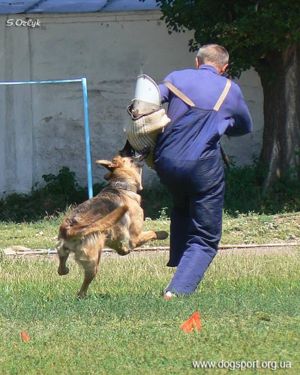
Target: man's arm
(164, 93)
(241, 121)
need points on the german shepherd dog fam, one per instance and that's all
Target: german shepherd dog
(113, 218)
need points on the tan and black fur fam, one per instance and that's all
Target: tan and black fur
(113, 218)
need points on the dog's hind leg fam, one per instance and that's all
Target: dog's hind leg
(90, 270)
(89, 259)
(63, 254)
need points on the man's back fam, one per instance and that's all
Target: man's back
(188, 161)
(204, 86)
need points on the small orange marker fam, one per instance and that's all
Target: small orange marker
(193, 323)
(24, 336)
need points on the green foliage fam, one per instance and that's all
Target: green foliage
(244, 194)
(63, 184)
(54, 197)
(156, 201)
(251, 30)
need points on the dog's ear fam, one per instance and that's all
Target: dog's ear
(127, 150)
(110, 165)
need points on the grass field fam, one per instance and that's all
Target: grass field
(249, 307)
(247, 229)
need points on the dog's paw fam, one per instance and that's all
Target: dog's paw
(161, 235)
(123, 252)
(81, 295)
(63, 271)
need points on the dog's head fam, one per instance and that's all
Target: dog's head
(127, 169)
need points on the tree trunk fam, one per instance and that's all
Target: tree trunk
(280, 78)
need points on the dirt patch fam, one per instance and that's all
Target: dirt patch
(257, 250)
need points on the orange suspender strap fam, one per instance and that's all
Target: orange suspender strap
(217, 106)
(179, 93)
(189, 102)
(223, 95)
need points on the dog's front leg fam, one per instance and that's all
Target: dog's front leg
(148, 236)
(63, 254)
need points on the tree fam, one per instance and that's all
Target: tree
(265, 35)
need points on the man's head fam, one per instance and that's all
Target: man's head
(213, 54)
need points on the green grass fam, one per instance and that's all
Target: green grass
(249, 303)
(249, 307)
(250, 228)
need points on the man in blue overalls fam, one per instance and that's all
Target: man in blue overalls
(188, 160)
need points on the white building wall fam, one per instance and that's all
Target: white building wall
(41, 127)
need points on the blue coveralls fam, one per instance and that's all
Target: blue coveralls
(188, 161)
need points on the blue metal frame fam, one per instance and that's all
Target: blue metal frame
(87, 137)
(86, 119)
(74, 6)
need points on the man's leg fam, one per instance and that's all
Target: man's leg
(178, 232)
(204, 234)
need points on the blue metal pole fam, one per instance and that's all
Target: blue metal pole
(87, 138)
(40, 82)
(86, 118)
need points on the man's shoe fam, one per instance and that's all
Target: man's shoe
(169, 295)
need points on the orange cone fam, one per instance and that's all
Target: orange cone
(24, 336)
(193, 323)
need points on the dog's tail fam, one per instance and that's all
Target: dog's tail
(68, 230)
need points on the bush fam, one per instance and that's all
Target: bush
(243, 194)
(156, 201)
(54, 197)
